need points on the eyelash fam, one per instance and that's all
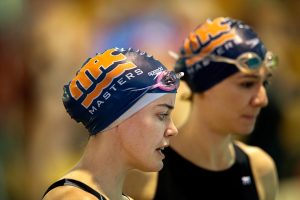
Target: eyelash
(249, 84)
(163, 116)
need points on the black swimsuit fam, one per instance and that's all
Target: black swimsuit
(182, 180)
(75, 183)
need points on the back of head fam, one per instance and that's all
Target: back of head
(223, 37)
(111, 83)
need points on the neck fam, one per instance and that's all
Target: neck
(101, 167)
(202, 145)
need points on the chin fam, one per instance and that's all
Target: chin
(246, 131)
(245, 128)
(160, 167)
(157, 167)
(153, 167)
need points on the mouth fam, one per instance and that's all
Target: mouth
(161, 149)
(250, 118)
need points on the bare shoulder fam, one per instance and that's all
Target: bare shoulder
(264, 170)
(140, 185)
(260, 160)
(68, 192)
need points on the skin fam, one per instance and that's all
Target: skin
(135, 143)
(206, 138)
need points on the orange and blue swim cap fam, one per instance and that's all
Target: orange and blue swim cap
(222, 38)
(112, 82)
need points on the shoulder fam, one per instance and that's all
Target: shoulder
(260, 160)
(264, 170)
(140, 185)
(68, 192)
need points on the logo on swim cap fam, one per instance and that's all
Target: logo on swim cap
(97, 74)
(221, 36)
(206, 38)
(110, 83)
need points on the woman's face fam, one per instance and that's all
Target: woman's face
(147, 132)
(232, 106)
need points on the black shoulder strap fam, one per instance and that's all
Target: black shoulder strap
(75, 183)
(241, 156)
(247, 177)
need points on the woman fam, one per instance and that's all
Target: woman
(226, 67)
(124, 98)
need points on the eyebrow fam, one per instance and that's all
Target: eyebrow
(171, 107)
(268, 75)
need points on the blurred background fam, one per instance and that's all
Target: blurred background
(43, 43)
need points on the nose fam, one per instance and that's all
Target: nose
(171, 130)
(261, 98)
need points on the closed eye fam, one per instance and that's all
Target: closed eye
(163, 116)
(247, 84)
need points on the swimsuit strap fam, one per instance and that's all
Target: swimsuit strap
(75, 183)
(250, 191)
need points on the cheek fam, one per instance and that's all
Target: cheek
(148, 133)
(140, 135)
(139, 145)
(233, 102)
(223, 111)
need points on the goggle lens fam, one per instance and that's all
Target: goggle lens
(271, 60)
(252, 63)
(249, 62)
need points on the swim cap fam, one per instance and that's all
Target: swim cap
(111, 83)
(224, 37)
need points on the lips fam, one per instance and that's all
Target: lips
(249, 117)
(161, 153)
(160, 150)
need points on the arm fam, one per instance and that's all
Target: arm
(264, 171)
(140, 185)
